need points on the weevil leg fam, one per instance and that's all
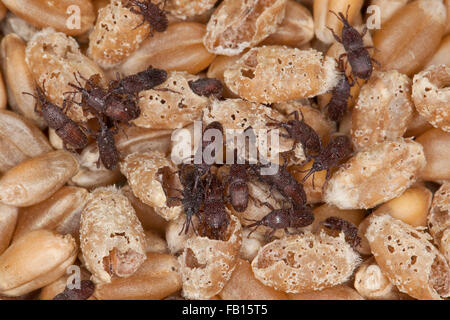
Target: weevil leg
(336, 37)
(364, 31)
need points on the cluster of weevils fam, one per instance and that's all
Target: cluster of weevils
(359, 59)
(203, 194)
(111, 106)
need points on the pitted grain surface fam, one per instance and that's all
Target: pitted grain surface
(305, 262)
(376, 175)
(271, 74)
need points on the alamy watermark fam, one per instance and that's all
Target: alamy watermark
(73, 22)
(74, 279)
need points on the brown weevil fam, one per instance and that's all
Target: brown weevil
(282, 181)
(339, 148)
(214, 219)
(207, 87)
(348, 228)
(237, 187)
(301, 132)
(108, 153)
(337, 106)
(141, 81)
(86, 290)
(284, 219)
(357, 54)
(151, 13)
(68, 130)
(192, 193)
(99, 101)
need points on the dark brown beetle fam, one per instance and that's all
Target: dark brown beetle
(349, 229)
(284, 183)
(192, 193)
(301, 132)
(87, 288)
(68, 130)
(200, 165)
(151, 13)
(237, 187)
(339, 148)
(99, 101)
(337, 106)
(207, 87)
(141, 81)
(214, 219)
(283, 219)
(357, 54)
(108, 153)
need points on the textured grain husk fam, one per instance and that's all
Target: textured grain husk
(372, 284)
(383, 110)
(116, 34)
(54, 57)
(141, 171)
(376, 175)
(439, 219)
(183, 9)
(237, 25)
(408, 259)
(431, 95)
(305, 262)
(271, 74)
(109, 222)
(237, 115)
(149, 219)
(171, 109)
(216, 261)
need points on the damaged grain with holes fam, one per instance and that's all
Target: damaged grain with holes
(224, 150)
(54, 58)
(376, 175)
(308, 262)
(206, 264)
(112, 239)
(431, 95)
(172, 105)
(147, 179)
(118, 32)
(439, 219)
(383, 110)
(271, 74)
(408, 258)
(238, 25)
